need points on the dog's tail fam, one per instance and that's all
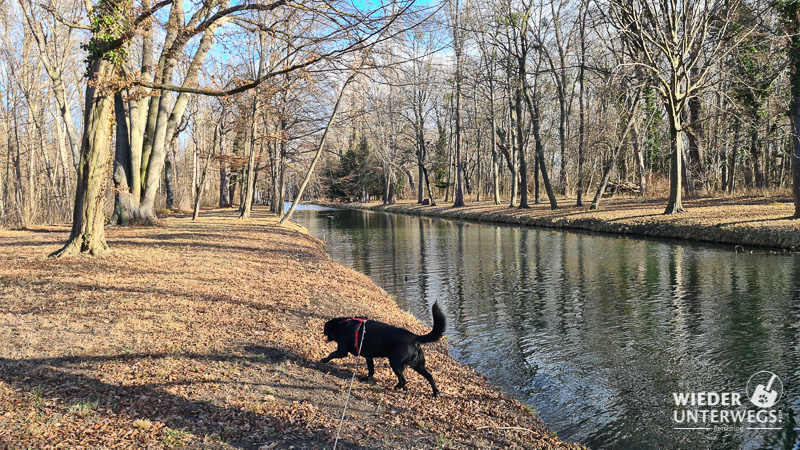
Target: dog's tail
(438, 326)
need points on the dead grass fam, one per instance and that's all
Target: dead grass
(751, 221)
(206, 334)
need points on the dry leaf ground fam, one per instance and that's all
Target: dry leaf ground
(207, 334)
(748, 221)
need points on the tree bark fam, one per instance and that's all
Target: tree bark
(459, 193)
(638, 154)
(523, 167)
(495, 153)
(581, 111)
(88, 234)
(756, 154)
(795, 157)
(533, 110)
(674, 204)
(169, 181)
(124, 207)
(420, 165)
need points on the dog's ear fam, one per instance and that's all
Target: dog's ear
(332, 325)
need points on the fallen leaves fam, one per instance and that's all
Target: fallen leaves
(208, 333)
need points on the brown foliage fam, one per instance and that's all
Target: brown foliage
(207, 333)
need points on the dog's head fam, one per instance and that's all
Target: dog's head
(332, 327)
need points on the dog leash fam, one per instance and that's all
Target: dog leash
(350, 389)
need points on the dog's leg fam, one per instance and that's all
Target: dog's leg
(338, 353)
(420, 369)
(370, 369)
(398, 367)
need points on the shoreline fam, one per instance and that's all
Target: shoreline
(208, 333)
(750, 222)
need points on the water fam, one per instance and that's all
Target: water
(595, 332)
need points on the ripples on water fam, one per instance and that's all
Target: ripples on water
(595, 332)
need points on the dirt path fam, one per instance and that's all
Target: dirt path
(207, 334)
(746, 221)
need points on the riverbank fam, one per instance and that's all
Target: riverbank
(207, 334)
(747, 221)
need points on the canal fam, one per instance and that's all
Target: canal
(597, 332)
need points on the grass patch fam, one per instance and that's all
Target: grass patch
(444, 442)
(175, 436)
(36, 397)
(83, 407)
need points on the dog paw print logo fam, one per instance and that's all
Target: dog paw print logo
(764, 389)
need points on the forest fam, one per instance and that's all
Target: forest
(117, 111)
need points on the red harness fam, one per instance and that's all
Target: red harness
(360, 323)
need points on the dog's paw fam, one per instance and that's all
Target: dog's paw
(324, 360)
(435, 394)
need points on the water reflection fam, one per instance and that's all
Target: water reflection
(595, 332)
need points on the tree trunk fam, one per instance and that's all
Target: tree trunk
(317, 154)
(449, 166)
(420, 167)
(200, 181)
(477, 147)
(479, 186)
(224, 183)
(609, 166)
(495, 153)
(169, 182)
(563, 181)
(795, 156)
(428, 186)
(457, 42)
(582, 123)
(124, 206)
(537, 198)
(407, 172)
(232, 185)
(251, 177)
(523, 167)
(638, 154)
(581, 108)
(533, 109)
(676, 144)
(756, 154)
(88, 234)
(281, 191)
(512, 145)
(391, 193)
(688, 176)
(247, 200)
(731, 161)
(695, 166)
(386, 186)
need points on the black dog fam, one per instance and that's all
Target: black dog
(379, 340)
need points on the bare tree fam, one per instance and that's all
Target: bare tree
(112, 29)
(672, 42)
